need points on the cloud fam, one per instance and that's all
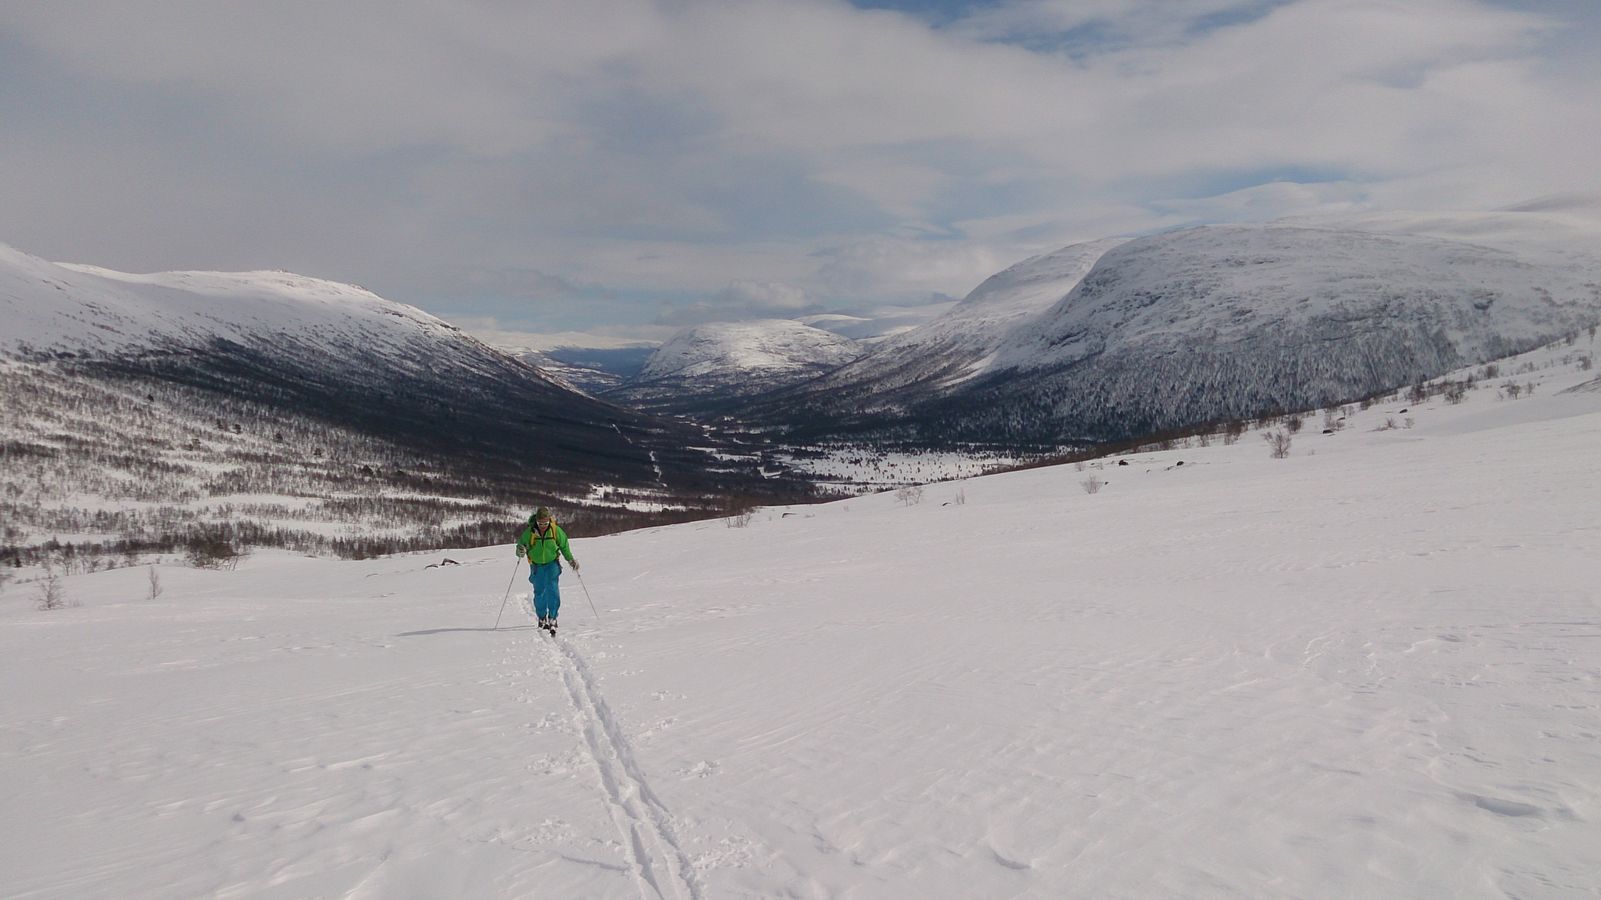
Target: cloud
(743, 300)
(550, 161)
(494, 332)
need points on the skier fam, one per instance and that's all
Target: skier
(542, 542)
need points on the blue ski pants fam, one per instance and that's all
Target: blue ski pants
(545, 578)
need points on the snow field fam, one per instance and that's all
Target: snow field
(1368, 671)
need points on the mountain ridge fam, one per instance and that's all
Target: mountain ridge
(1203, 324)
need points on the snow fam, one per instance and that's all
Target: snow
(748, 348)
(1367, 670)
(865, 467)
(1217, 284)
(75, 308)
(963, 341)
(1562, 228)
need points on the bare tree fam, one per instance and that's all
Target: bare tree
(1278, 442)
(909, 495)
(1092, 485)
(51, 595)
(155, 585)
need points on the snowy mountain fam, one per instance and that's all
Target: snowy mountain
(592, 370)
(726, 360)
(1366, 670)
(1213, 323)
(928, 360)
(267, 383)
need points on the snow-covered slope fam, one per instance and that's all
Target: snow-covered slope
(1231, 321)
(49, 309)
(1223, 322)
(319, 382)
(927, 360)
(1233, 285)
(1366, 670)
(723, 360)
(1562, 228)
(754, 348)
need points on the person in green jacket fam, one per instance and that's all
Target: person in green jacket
(542, 542)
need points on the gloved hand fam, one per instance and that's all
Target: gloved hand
(575, 565)
(520, 551)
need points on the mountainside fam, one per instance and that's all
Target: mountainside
(1225, 322)
(1367, 669)
(726, 360)
(276, 384)
(931, 358)
(592, 370)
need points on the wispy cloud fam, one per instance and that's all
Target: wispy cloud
(553, 162)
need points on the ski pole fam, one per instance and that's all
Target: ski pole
(514, 567)
(586, 594)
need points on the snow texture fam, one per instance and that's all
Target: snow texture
(49, 308)
(753, 348)
(1366, 670)
(728, 359)
(956, 345)
(1205, 324)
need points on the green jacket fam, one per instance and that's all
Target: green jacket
(543, 548)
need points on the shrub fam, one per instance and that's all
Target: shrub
(1092, 485)
(909, 495)
(1278, 443)
(211, 550)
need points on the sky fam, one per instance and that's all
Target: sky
(628, 167)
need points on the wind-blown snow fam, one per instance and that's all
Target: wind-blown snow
(1368, 670)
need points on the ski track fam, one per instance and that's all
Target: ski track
(642, 821)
